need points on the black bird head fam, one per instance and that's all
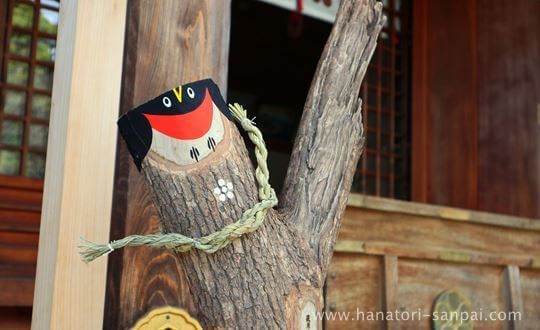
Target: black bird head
(180, 113)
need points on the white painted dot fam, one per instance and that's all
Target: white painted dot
(224, 189)
(229, 185)
(222, 197)
(217, 191)
(221, 182)
(230, 195)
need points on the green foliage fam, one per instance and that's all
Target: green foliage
(20, 43)
(23, 16)
(48, 21)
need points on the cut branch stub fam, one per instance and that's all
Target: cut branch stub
(260, 271)
(180, 127)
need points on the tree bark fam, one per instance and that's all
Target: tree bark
(271, 278)
(247, 283)
(330, 136)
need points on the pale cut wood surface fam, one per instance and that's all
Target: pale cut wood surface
(168, 42)
(86, 92)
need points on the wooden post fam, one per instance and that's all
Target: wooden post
(390, 285)
(514, 297)
(168, 42)
(80, 164)
(272, 278)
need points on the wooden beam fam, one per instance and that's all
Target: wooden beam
(433, 253)
(80, 164)
(17, 291)
(441, 212)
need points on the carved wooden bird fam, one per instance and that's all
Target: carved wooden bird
(182, 125)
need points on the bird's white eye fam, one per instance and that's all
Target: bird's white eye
(167, 102)
(190, 92)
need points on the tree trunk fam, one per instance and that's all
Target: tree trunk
(249, 282)
(271, 278)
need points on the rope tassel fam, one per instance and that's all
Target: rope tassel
(250, 220)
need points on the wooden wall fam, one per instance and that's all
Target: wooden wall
(476, 87)
(398, 256)
(20, 211)
(509, 106)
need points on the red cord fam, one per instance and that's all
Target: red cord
(295, 21)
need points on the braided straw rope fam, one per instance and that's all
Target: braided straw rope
(250, 220)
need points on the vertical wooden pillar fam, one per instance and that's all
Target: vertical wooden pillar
(444, 103)
(513, 295)
(168, 42)
(390, 288)
(421, 132)
(80, 164)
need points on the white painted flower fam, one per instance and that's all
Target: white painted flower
(224, 190)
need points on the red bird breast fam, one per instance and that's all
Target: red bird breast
(189, 126)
